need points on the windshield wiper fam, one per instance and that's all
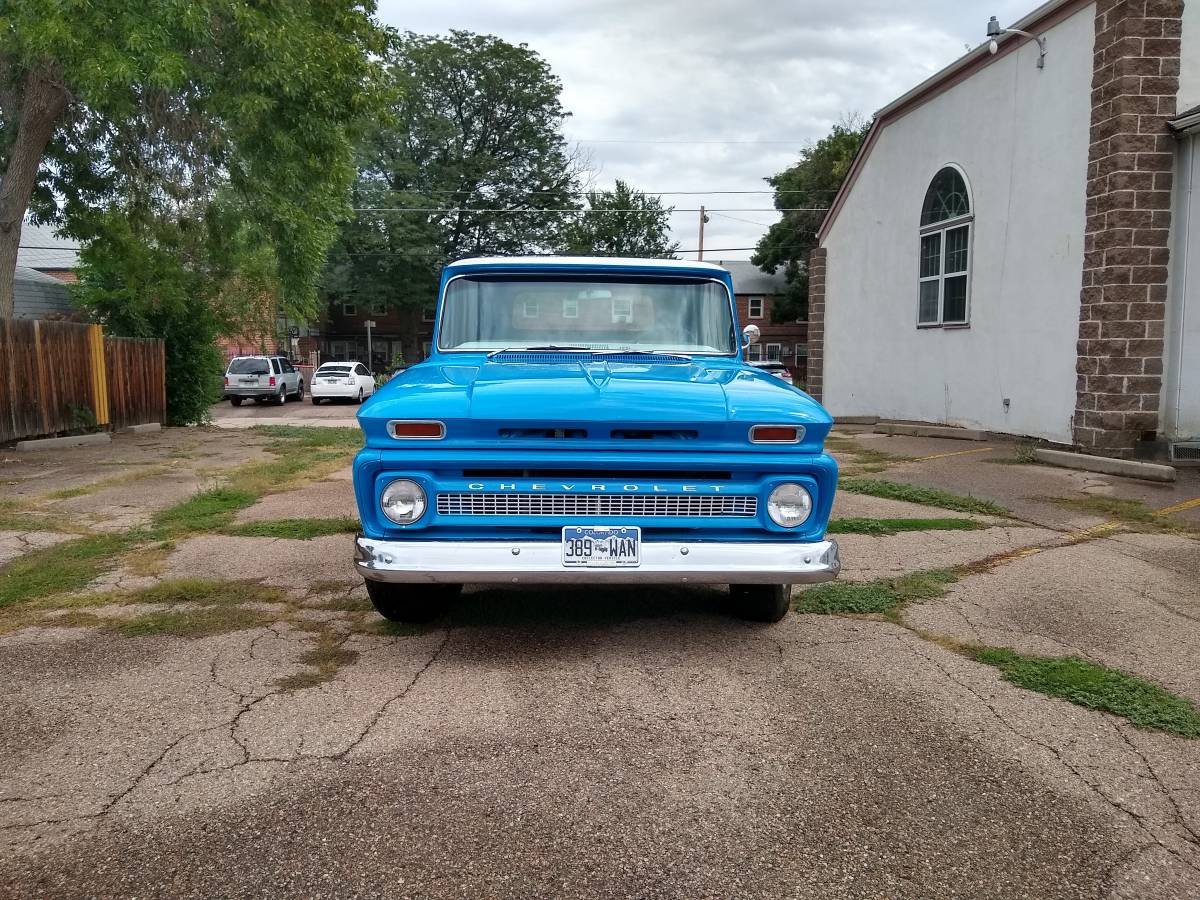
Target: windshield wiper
(641, 353)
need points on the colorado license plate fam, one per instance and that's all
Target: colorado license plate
(601, 546)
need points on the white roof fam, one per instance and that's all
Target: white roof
(585, 261)
(42, 248)
(338, 362)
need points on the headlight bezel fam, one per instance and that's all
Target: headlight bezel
(418, 497)
(799, 495)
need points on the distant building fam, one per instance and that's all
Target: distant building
(756, 292)
(46, 263)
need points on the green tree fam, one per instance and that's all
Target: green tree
(622, 222)
(158, 102)
(475, 128)
(806, 189)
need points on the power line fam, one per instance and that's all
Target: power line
(744, 221)
(607, 191)
(656, 141)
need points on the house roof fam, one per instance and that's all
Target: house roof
(42, 248)
(1042, 18)
(37, 295)
(750, 279)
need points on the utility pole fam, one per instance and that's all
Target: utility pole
(703, 219)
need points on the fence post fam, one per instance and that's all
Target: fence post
(99, 374)
(43, 389)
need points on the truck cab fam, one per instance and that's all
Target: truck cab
(591, 421)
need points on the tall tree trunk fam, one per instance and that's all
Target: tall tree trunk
(43, 103)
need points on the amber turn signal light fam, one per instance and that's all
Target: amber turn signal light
(417, 431)
(776, 434)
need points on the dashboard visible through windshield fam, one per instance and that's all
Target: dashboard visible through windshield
(685, 315)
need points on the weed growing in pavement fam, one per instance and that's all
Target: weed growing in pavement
(199, 621)
(884, 597)
(894, 490)
(18, 515)
(324, 660)
(863, 459)
(83, 490)
(295, 529)
(895, 526)
(1095, 686)
(1133, 513)
(208, 510)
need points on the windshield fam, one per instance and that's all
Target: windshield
(250, 366)
(333, 370)
(685, 315)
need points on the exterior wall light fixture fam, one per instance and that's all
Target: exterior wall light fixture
(994, 31)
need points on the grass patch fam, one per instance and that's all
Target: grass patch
(65, 567)
(863, 459)
(16, 515)
(295, 529)
(103, 484)
(883, 597)
(856, 525)
(201, 621)
(324, 660)
(894, 490)
(208, 510)
(1094, 686)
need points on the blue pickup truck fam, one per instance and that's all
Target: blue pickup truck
(591, 421)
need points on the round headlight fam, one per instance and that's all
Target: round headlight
(403, 501)
(789, 505)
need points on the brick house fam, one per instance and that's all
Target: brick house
(755, 292)
(1014, 248)
(343, 333)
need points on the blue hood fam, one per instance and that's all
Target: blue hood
(709, 403)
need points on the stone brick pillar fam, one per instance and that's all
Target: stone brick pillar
(1135, 78)
(816, 322)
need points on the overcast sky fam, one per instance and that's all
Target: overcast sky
(673, 95)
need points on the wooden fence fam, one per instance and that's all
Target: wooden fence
(61, 376)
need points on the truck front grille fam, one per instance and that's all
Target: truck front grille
(617, 505)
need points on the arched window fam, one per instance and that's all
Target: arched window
(945, 263)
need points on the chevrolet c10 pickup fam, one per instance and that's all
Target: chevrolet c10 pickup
(591, 421)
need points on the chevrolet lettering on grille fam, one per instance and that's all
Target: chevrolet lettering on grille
(591, 421)
(597, 488)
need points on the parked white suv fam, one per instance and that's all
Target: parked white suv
(262, 378)
(345, 380)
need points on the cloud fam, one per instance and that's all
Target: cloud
(771, 75)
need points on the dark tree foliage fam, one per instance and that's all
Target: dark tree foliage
(811, 183)
(475, 128)
(622, 222)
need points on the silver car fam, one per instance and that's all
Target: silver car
(262, 378)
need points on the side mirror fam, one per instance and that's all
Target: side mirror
(750, 335)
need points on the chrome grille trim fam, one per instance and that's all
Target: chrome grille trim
(624, 505)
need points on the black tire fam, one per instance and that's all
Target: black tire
(300, 390)
(359, 399)
(236, 401)
(316, 401)
(411, 602)
(281, 398)
(761, 602)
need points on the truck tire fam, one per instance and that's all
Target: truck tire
(236, 401)
(411, 602)
(281, 397)
(761, 602)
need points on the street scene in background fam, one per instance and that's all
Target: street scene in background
(459, 449)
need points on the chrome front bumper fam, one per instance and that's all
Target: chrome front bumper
(540, 562)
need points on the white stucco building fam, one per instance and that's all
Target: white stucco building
(1017, 246)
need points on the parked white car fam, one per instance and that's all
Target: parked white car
(343, 380)
(262, 378)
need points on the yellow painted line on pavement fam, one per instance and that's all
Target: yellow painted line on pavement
(955, 453)
(1095, 531)
(1178, 507)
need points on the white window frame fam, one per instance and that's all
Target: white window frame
(428, 313)
(940, 229)
(378, 308)
(532, 309)
(761, 301)
(349, 309)
(570, 309)
(426, 349)
(754, 353)
(773, 352)
(339, 350)
(622, 309)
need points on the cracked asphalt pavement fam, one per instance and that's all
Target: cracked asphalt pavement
(631, 743)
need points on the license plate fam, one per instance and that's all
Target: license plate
(253, 380)
(601, 546)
